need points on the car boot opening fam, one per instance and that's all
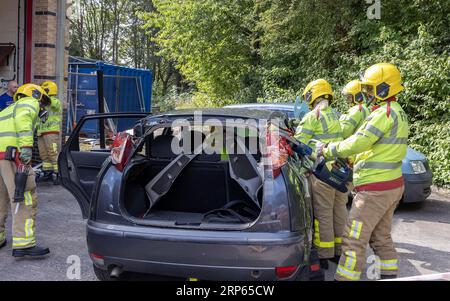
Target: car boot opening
(192, 191)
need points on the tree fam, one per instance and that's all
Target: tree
(214, 44)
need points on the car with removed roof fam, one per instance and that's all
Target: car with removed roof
(193, 214)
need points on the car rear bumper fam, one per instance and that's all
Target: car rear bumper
(417, 187)
(198, 254)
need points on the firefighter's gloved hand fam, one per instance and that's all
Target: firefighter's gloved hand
(26, 155)
(320, 146)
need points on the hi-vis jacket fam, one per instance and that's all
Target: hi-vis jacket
(353, 120)
(17, 124)
(379, 145)
(53, 123)
(320, 124)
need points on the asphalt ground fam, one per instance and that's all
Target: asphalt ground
(421, 233)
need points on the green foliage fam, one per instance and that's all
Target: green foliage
(268, 50)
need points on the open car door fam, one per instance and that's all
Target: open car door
(87, 149)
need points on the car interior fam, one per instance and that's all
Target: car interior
(192, 190)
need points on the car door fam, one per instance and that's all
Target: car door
(87, 149)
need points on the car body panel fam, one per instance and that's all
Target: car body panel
(200, 254)
(79, 170)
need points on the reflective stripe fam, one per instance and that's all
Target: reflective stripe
(3, 118)
(29, 228)
(377, 165)
(361, 134)
(317, 242)
(350, 275)
(14, 134)
(334, 152)
(364, 112)
(370, 128)
(28, 198)
(24, 134)
(24, 105)
(389, 265)
(8, 134)
(392, 141)
(338, 240)
(324, 124)
(328, 136)
(394, 129)
(350, 260)
(307, 132)
(22, 242)
(355, 230)
(352, 121)
(47, 166)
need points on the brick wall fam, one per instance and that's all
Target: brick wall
(45, 21)
(45, 35)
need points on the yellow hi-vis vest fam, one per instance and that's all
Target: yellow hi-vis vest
(320, 124)
(17, 124)
(353, 120)
(379, 145)
(53, 123)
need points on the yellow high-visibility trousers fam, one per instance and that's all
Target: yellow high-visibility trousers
(370, 222)
(24, 221)
(330, 217)
(49, 146)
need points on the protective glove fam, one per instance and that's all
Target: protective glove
(26, 155)
(320, 146)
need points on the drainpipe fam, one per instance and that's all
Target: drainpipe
(28, 44)
(61, 48)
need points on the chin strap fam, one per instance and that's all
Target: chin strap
(388, 113)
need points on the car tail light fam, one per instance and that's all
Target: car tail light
(97, 259)
(121, 150)
(315, 267)
(278, 150)
(285, 272)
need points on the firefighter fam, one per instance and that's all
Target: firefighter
(355, 117)
(49, 136)
(380, 146)
(17, 126)
(330, 211)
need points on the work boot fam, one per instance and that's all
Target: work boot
(3, 244)
(32, 252)
(46, 176)
(386, 277)
(324, 264)
(56, 179)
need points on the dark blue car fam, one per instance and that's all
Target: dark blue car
(416, 168)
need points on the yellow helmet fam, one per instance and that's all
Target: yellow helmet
(32, 90)
(382, 81)
(50, 87)
(353, 92)
(316, 89)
